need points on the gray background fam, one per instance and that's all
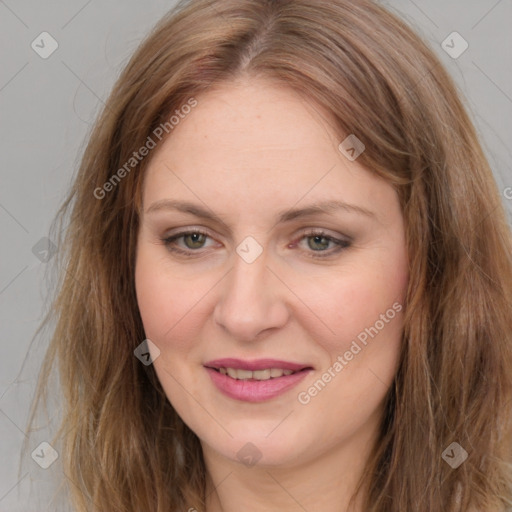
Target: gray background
(47, 107)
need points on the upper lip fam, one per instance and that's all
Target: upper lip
(256, 364)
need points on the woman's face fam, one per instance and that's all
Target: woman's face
(268, 280)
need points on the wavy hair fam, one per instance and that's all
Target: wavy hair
(123, 447)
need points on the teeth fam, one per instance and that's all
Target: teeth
(232, 373)
(270, 373)
(242, 374)
(261, 374)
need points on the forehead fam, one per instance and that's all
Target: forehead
(253, 117)
(252, 140)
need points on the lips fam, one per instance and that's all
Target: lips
(259, 364)
(255, 381)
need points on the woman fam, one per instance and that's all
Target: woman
(288, 276)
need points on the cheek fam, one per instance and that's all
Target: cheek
(164, 302)
(354, 301)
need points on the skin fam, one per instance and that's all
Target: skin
(249, 150)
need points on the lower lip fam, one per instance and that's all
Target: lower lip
(255, 390)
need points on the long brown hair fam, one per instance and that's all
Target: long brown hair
(123, 447)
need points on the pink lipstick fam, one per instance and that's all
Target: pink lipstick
(257, 380)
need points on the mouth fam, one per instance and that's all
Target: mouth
(259, 375)
(260, 369)
(255, 381)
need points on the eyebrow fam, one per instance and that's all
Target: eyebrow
(326, 207)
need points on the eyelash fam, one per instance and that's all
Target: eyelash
(342, 244)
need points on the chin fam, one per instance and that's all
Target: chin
(258, 450)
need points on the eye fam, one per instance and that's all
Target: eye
(193, 240)
(318, 243)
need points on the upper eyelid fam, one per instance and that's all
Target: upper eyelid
(304, 232)
(187, 231)
(338, 240)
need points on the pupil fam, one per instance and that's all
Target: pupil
(318, 238)
(195, 238)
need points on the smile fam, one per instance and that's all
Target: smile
(269, 373)
(255, 381)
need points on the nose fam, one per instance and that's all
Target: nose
(251, 301)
